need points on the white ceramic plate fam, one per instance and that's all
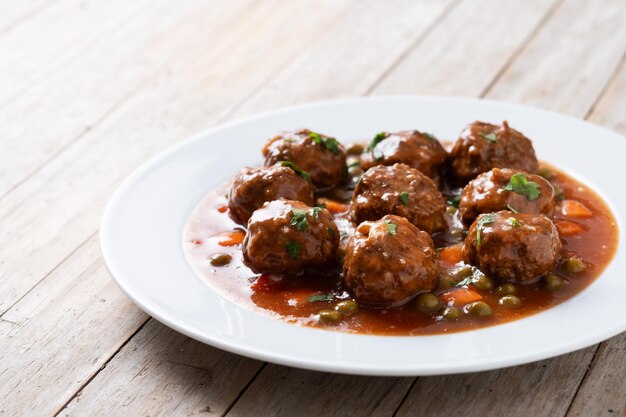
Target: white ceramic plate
(142, 230)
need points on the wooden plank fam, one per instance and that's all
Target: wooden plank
(187, 378)
(464, 54)
(283, 391)
(547, 388)
(64, 203)
(65, 105)
(602, 391)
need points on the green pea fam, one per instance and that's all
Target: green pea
(428, 303)
(329, 316)
(452, 313)
(510, 301)
(444, 283)
(506, 289)
(220, 259)
(554, 282)
(482, 282)
(478, 309)
(347, 307)
(461, 273)
(355, 149)
(574, 265)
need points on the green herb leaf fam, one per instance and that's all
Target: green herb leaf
(404, 198)
(520, 184)
(320, 297)
(299, 220)
(491, 137)
(466, 281)
(513, 222)
(454, 201)
(331, 231)
(377, 139)
(429, 135)
(484, 220)
(332, 145)
(356, 164)
(293, 249)
(316, 212)
(511, 208)
(296, 169)
(391, 227)
(316, 138)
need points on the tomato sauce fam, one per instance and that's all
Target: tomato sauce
(298, 300)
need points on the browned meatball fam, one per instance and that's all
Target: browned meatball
(500, 189)
(483, 146)
(389, 261)
(254, 186)
(319, 155)
(415, 149)
(402, 190)
(287, 237)
(512, 246)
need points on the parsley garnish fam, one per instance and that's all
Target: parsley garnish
(454, 201)
(329, 143)
(316, 212)
(484, 220)
(511, 208)
(513, 222)
(293, 249)
(320, 297)
(377, 139)
(404, 198)
(391, 227)
(356, 164)
(296, 169)
(429, 135)
(491, 137)
(520, 184)
(331, 231)
(299, 219)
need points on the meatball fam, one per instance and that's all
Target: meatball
(512, 246)
(402, 190)
(483, 146)
(254, 186)
(321, 156)
(500, 189)
(287, 237)
(421, 151)
(389, 261)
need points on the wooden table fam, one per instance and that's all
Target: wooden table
(90, 89)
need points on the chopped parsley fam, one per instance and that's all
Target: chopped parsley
(320, 297)
(482, 222)
(331, 231)
(404, 198)
(491, 137)
(299, 220)
(511, 208)
(296, 169)
(316, 212)
(513, 222)
(454, 201)
(356, 164)
(377, 139)
(329, 143)
(520, 184)
(391, 227)
(429, 135)
(293, 249)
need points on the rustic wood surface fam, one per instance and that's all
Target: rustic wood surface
(89, 90)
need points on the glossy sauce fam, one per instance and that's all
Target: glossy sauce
(287, 298)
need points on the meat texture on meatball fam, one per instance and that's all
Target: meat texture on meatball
(482, 146)
(288, 237)
(323, 157)
(389, 261)
(419, 150)
(499, 189)
(513, 246)
(401, 190)
(252, 187)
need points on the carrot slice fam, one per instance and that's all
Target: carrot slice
(567, 228)
(573, 208)
(460, 296)
(232, 238)
(333, 206)
(452, 255)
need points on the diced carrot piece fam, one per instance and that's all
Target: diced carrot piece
(232, 238)
(573, 208)
(222, 209)
(460, 296)
(452, 255)
(333, 206)
(567, 228)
